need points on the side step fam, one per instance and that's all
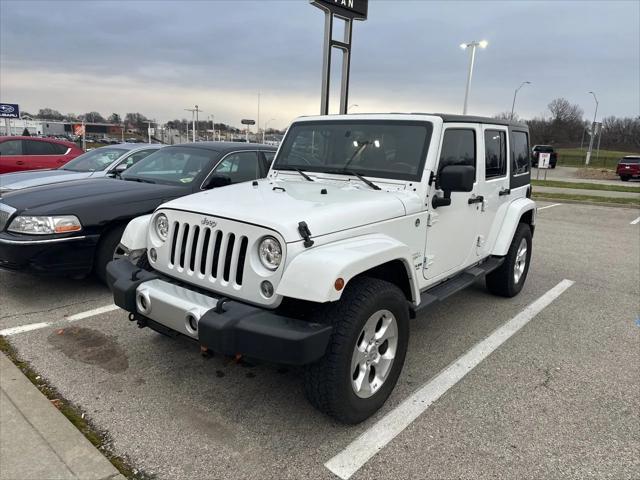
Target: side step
(457, 283)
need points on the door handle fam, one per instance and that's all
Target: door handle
(506, 191)
(19, 162)
(478, 199)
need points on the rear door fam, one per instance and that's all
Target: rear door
(452, 230)
(11, 156)
(42, 154)
(493, 185)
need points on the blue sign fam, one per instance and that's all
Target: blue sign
(9, 110)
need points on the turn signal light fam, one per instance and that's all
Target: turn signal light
(339, 284)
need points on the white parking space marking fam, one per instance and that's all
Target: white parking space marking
(370, 442)
(549, 206)
(7, 332)
(634, 222)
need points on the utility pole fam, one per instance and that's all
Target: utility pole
(193, 120)
(213, 128)
(593, 128)
(197, 124)
(258, 121)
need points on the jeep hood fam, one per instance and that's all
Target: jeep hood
(281, 205)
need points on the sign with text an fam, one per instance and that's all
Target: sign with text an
(9, 110)
(354, 9)
(544, 160)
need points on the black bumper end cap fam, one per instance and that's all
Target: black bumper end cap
(123, 278)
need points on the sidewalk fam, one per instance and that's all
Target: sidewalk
(37, 441)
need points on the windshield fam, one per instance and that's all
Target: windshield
(630, 160)
(173, 166)
(95, 160)
(383, 149)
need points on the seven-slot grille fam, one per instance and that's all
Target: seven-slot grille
(208, 252)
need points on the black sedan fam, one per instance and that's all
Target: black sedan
(74, 228)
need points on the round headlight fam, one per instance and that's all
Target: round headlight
(162, 226)
(270, 253)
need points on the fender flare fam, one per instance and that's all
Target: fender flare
(516, 209)
(135, 234)
(311, 274)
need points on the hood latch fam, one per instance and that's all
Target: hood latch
(305, 233)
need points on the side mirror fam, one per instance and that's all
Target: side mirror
(217, 180)
(456, 178)
(453, 178)
(121, 167)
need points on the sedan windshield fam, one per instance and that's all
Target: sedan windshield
(173, 166)
(383, 149)
(95, 160)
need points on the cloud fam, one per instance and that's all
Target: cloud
(161, 57)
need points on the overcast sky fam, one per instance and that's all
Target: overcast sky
(160, 57)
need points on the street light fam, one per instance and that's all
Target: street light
(513, 105)
(265, 127)
(472, 58)
(593, 129)
(149, 123)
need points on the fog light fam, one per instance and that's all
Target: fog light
(267, 289)
(153, 255)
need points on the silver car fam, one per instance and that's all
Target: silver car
(101, 162)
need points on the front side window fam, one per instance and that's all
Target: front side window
(11, 147)
(240, 167)
(520, 149)
(383, 149)
(458, 148)
(94, 160)
(495, 142)
(173, 166)
(136, 157)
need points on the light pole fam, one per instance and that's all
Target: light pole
(513, 105)
(265, 128)
(149, 123)
(593, 129)
(472, 58)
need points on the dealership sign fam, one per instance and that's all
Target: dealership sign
(354, 9)
(9, 110)
(246, 121)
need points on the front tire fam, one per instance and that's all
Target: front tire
(625, 178)
(509, 278)
(365, 354)
(107, 249)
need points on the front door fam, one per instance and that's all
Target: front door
(452, 230)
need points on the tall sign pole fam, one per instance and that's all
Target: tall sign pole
(347, 10)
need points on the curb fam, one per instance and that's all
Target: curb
(37, 418)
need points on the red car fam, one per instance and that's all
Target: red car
(628, 167)
(30, 153)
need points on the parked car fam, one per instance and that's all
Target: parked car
(100, 162)
(628, 167)
(73, 228)
(538, 149)
(361, 224)
(29, 153)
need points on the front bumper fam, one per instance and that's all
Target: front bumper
(48, 256)
(221, 325)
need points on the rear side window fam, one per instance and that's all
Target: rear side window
(268, 160)
(495, 142)
(458, 148)
(11, 147)
(520, 149)
(34, 147)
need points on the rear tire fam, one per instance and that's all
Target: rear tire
(371, 331)
(509, 278)
(625, 178)
(109, 241)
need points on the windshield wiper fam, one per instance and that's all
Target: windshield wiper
(368, 182)
(300, 171)
(137, 179)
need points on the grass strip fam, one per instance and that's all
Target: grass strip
(74, 415)
(587, 198)
(585, 186)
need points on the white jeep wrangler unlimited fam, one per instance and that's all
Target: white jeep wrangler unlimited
(362, 222)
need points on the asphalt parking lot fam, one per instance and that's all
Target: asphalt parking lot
(558, 399)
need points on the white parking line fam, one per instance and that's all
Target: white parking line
(634, 222)
(549, 206)
(7, 332)
(360, 451)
